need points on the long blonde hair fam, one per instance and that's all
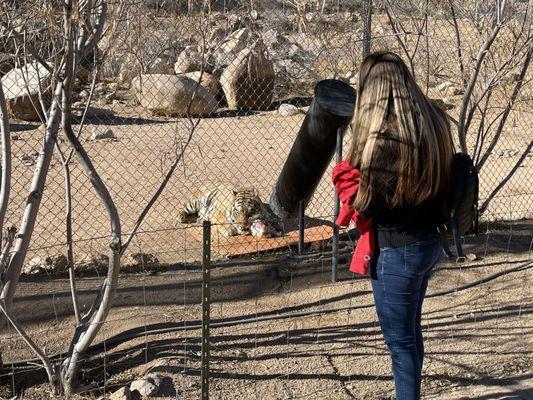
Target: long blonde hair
(401, 140)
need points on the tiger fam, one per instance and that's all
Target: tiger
(230, 209)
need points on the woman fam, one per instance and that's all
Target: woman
(403, 149)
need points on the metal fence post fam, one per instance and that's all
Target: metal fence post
(206, 305)
(367, 27)
(336, 208)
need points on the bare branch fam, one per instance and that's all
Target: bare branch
(89, 314)
(87, 332)
(32, 205)
(10, 237)
(399, 40)
(508, 108)
(28, 47)
(463, 127)
(5, 132)
(68, 229)
(458, 43)
(96, 34)
(32, 345)
(504, 181)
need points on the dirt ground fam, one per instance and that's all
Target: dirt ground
(478, 340)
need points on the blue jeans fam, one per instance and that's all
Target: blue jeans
(399, 285)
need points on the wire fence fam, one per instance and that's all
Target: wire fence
(219, 90)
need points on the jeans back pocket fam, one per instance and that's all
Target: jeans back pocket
(420, 256)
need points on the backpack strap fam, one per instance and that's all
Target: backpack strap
(444, 240)
(457, 239)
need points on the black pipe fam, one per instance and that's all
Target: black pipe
(332, 108)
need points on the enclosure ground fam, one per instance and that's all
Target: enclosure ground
(248, 149)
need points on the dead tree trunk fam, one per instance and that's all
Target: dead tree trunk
(6, 161)
(33, 202)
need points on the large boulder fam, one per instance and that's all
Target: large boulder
(227, 50)
(172, 94)
(160, 66)
(206, 80)
(248, 82)
(294, 78)
(21, 89)
(123, 393)
(189, 60)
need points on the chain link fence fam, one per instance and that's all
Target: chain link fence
(258, 65)
(211, 95)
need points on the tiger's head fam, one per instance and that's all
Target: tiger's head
(246, 208)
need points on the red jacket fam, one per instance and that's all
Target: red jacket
(346, 181)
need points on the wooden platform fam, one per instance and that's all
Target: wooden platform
(235, 246)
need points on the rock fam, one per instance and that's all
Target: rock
(123, 393)
(92, 112)
(447, 89)
(90, 263)
(189, 60)
(21, 89)
(58, 263)
(287, 110)
(140, 262)
(208, 81)
(217, 36)
(171, 95)
(99, 133)
(83, 75)
(236, 42)
(109, 97)
(471, 257)
(442, 86)
(505, 153)
(160, 66)
(147, 386)
(313, 17)
(292, 77)
(254, 15)
(29, 159)
(236, 21)
(445, 104)
(248, 82)
(129, 69)
(273, 40)
(6, 63)
(33, 266)
(49, 264)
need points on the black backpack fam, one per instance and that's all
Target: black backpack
(462, 204)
